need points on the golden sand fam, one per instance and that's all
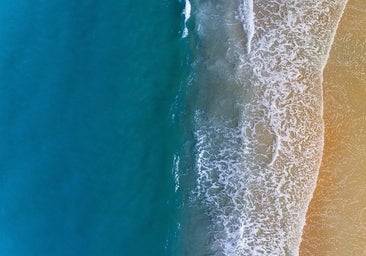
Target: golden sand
(336, 220)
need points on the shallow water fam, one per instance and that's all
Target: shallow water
(258, 129)
(336, 220)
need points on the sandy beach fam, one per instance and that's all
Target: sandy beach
(336, 220)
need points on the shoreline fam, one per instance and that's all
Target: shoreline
(336, 218)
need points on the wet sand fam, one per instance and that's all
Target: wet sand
(336, 219)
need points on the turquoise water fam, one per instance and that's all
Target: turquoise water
(87, 139)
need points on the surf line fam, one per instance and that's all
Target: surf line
(187, 14)
(247, 17)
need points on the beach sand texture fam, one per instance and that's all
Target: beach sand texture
(336, 219)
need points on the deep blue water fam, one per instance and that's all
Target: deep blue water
(87, 139)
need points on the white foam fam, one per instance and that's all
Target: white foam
(247, 18)
(175, 172)
(256, 175)
(187, 15)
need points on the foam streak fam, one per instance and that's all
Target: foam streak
(247, 16)
(187, 15)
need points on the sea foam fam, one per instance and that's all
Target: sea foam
(247, 18)
(258, 124)
(187, 15)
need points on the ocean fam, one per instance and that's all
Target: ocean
(161, 128)
(87, 138)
